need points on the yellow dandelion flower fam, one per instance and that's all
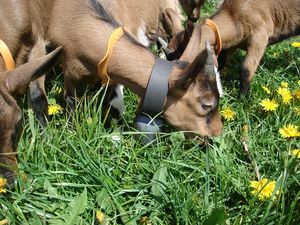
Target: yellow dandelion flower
(263, 188)
(285, 94)
(266, 89)
(284, 84)
(297, 94)
(100, 216)
(296, 153)
(2, 185)
(287, 98)
(269, 105)
(296, 44)
(228, 113)
(54, 109)
(289, 131)
(281, 90)
(4, 222)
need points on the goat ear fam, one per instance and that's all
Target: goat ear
(203, 65)
(179, 42)
(190, 72)
(189, 27)
(17, 80)
(209, 68)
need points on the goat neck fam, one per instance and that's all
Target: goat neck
(203, 33)
(200, 35)
(136, 71)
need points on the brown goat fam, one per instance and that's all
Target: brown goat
(142, 18)
(27, 36)
(147, 14)
(12, 83)
(145, 20)
(192, 100)
(250, 25)
(22, 28)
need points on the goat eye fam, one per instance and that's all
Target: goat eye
(207, 107)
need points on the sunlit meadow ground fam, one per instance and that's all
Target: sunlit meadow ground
(74, 169)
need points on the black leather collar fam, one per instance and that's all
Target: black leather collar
(157, 88)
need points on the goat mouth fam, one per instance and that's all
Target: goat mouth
(196, 138)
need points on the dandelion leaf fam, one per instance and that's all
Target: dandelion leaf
(124, 215)
(104, 201)
(35, 219)
(73, 211)
(216, 217)
(159, 181)
(50, 189)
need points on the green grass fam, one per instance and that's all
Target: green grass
(73, 168)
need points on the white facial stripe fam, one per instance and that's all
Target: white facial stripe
(142, 37)
(219, 84)
(163, 43)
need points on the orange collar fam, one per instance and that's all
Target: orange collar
(7, 57)
(213, 26)
(102, 66)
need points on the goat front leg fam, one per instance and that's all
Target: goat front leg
(114, 102)
(8, 165)
(255, 50)
(37, 98)
(224, 57)
(69, 93)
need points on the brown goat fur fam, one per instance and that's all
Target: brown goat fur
(149, 13)
(250, 25)
(23, 29)
(192, 101)
(142, 18)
